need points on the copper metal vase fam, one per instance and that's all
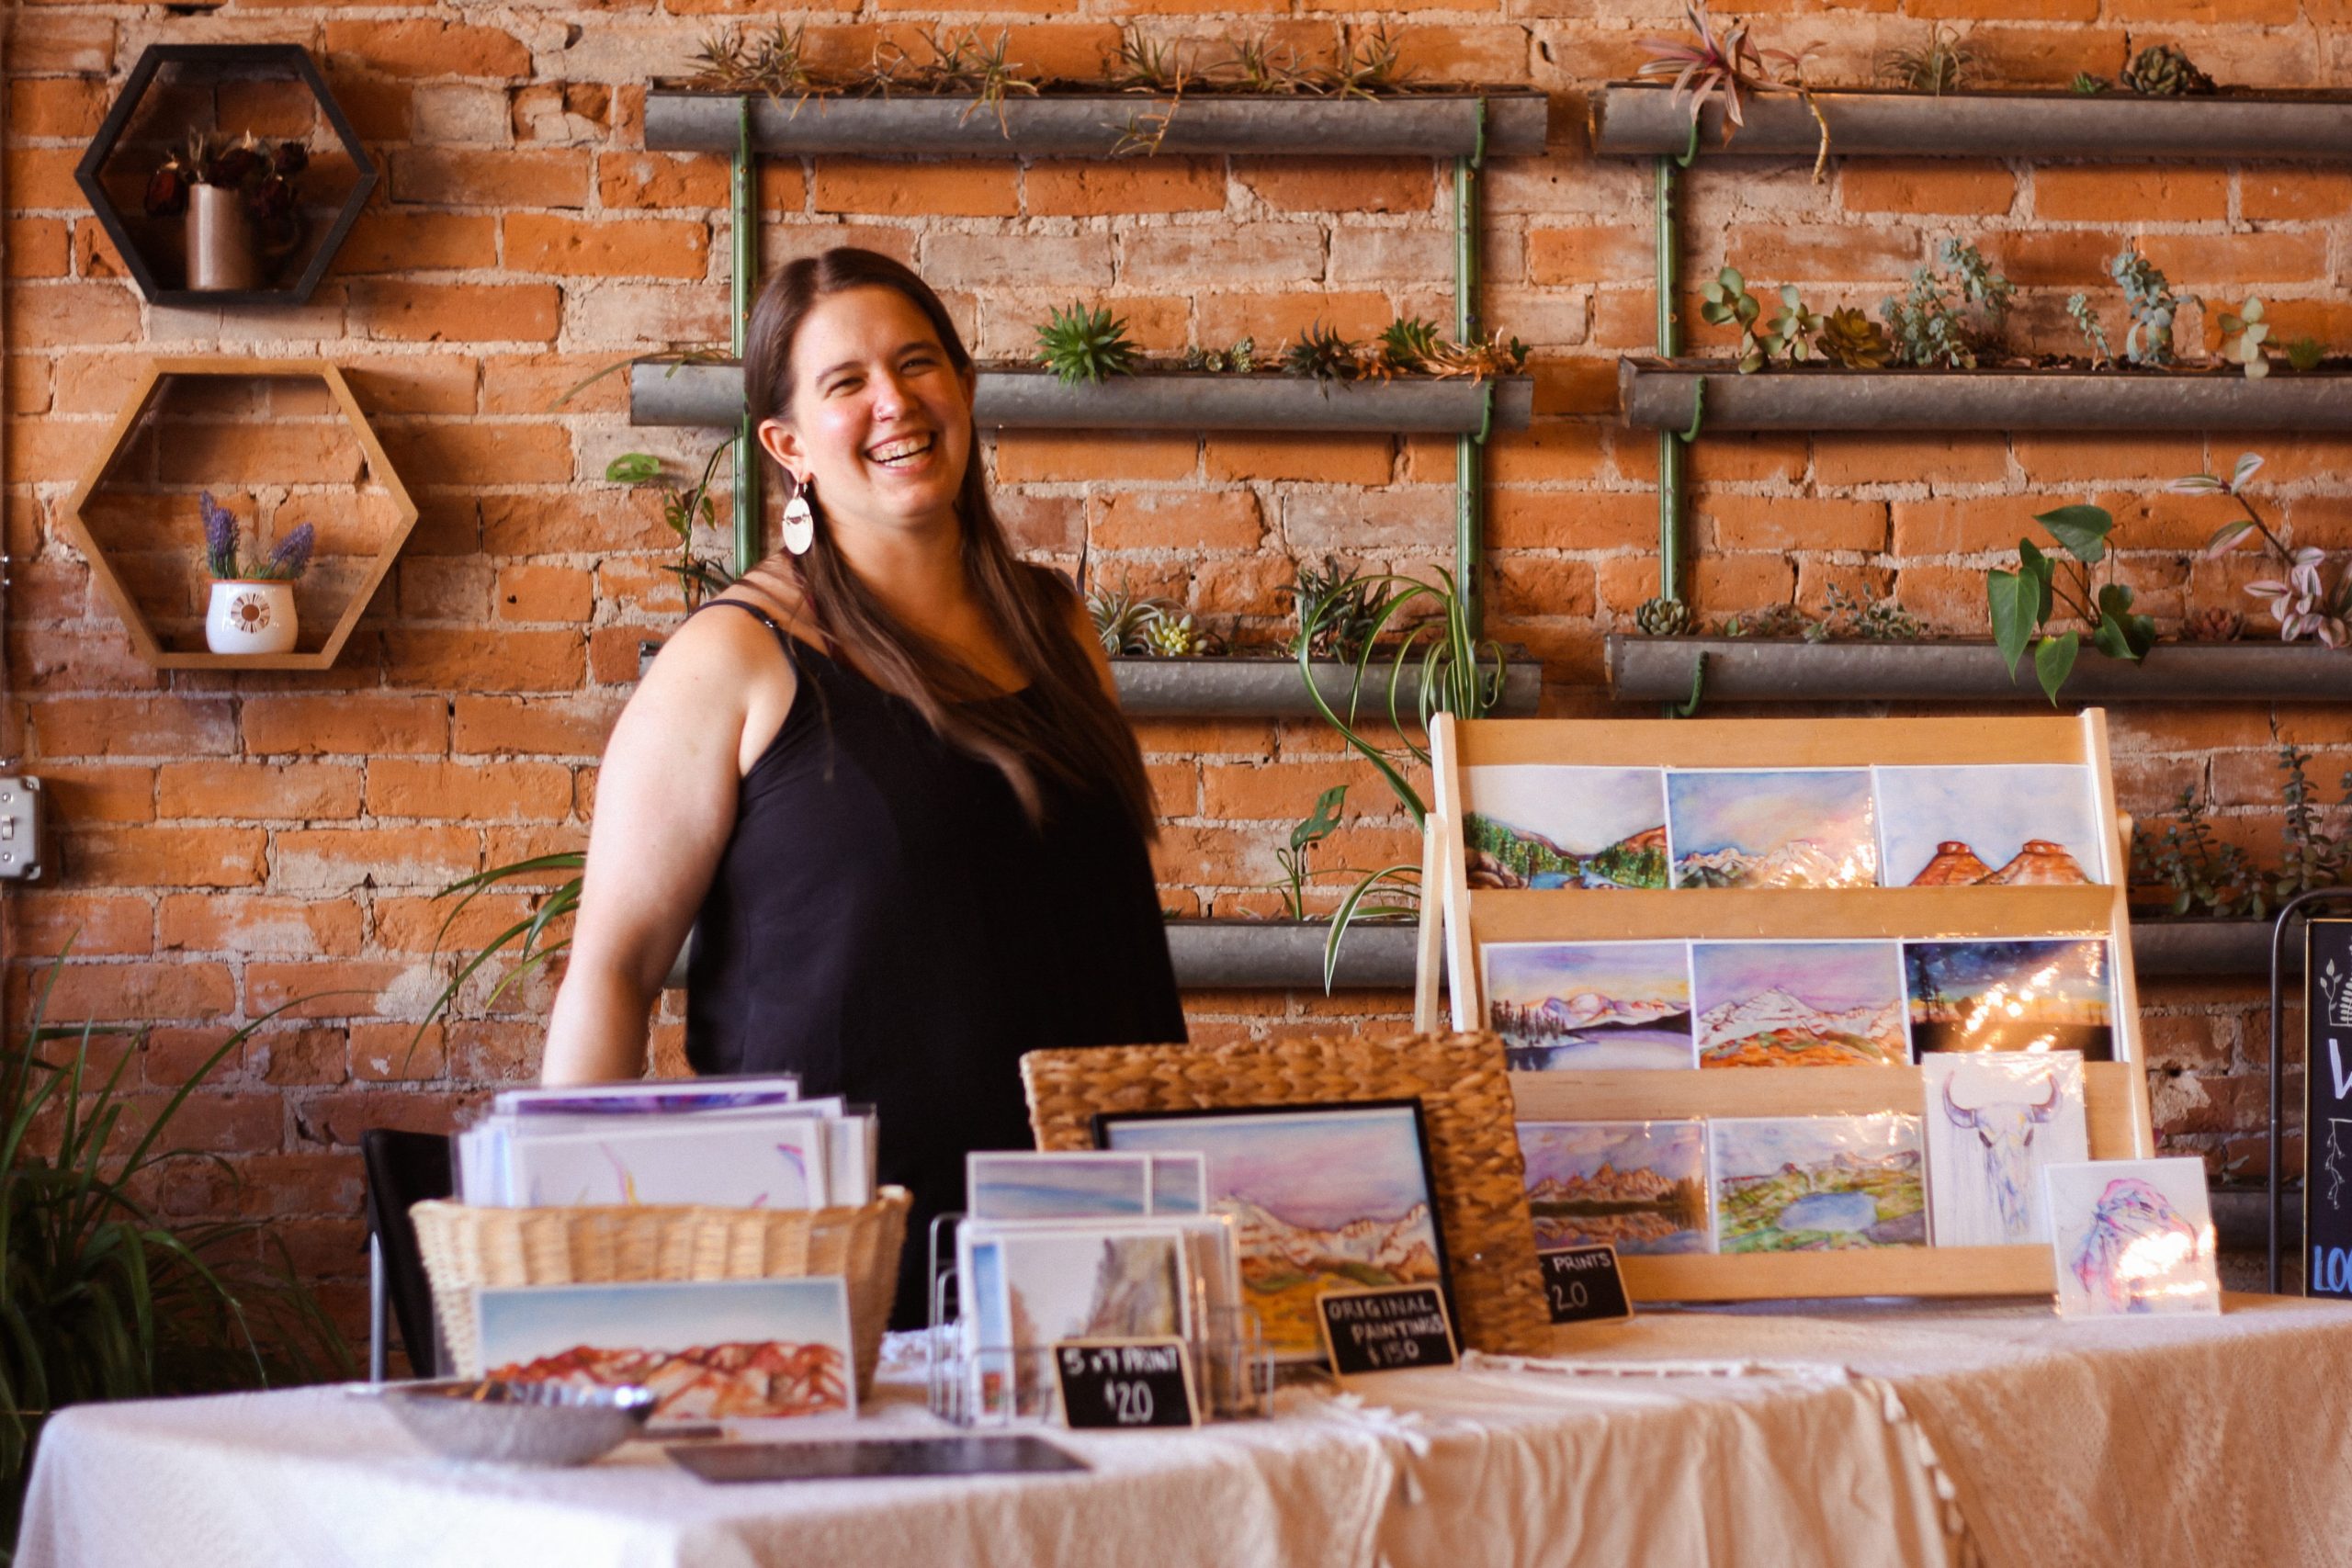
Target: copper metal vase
(222, 253)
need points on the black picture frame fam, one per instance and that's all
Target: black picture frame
(1103, 1123)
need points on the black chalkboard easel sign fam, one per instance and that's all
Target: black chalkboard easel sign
(1125, 1384)
(2327, 1108)
(1386, 1329)
(1583, 1284)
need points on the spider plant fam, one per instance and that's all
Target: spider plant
(534, 948)
(1460, 674)
(100, 1297)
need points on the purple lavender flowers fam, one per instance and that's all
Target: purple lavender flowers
(283, 563)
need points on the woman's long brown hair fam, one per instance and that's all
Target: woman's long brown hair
(1068, 730)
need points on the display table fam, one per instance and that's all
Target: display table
(1845, 1434)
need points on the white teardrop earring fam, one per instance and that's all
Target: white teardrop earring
(799, 523)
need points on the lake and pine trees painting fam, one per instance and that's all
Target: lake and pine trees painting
(1593, 1004)
(1530, 826)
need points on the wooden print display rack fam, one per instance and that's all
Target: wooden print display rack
(1456, 925)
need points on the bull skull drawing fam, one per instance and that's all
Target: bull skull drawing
(2006, 1129)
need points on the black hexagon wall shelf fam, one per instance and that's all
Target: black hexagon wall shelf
(175, 74)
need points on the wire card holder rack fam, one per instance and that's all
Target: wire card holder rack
(972, 1384)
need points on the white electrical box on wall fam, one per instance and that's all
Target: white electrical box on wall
(20, 824)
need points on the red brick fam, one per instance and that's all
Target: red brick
(938, 189)
(1926, 186)
(2132, 193)
(1531, 585)
(175, 726)
(1891, 459)
(1317, 460)
(478, 452)
(1058, 190)
(340, 859)
(665, 182)
(351, 724)
(482, 791)
(477, 660)
(95, 924)
(533, 592)
(506, 178)
(401, 311)
(1581, 520)
(1780, 523)
(147, 856)
(236, 925)
(1031, 456)
(2198, 260)
(2293, 194)
(41, 177)
(418, 241)
(422, 48)
(1341, 185)
(1774, 253)
(1181, 520)
(36, 247)
(99, 793)
(287, 791)
(573, 726)
(336, 988)
(1587, 255)
(55, 107)
(572, 247)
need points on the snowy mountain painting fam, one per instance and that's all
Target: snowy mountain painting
(1642, 1185)
(1589, 1004)
(1781, 828)
(1804, 1004)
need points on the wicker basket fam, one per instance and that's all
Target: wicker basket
(466, 1247)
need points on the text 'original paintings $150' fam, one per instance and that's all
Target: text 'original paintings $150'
(1323, 1198)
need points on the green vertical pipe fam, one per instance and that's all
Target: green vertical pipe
(1469, 454)
(1670, 443)
(744, 266)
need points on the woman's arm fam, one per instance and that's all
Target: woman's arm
(666, 804)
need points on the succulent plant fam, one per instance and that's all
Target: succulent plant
(1725, 303)
(1794, 329)
(2161, 71)
(1411, 343)
(2086, 86)
(1122, 617)
(2155, 306)
(1663, 617)
(1322, 354)
(1853, 341)
(2305, 353)
(1174, 637)
(2214, 624)
(1771, 621)
(2242, 338)
(2086, 321)
(1086, 346)
(1338, 612)
(1240, 360)
(1876, 620)
(1932, 323)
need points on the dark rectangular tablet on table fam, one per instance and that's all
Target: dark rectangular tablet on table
(881, 1457)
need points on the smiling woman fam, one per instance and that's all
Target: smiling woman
(884, 777)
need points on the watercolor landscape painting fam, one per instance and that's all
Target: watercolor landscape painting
(2017, 825)
(707, 1349)
(1058, 1186)
(1531, 826)
(1642, 1185)
(1818, 1183)
(1593, 1004)
(1995, 1121)
(1798, 1004)
(1779, 827)
(2133, 1236)
(1322, 1198)
(2004, 994)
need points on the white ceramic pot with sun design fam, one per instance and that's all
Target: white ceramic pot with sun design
(250, 614)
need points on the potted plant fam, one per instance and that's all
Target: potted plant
(238, 198)
(252, 608)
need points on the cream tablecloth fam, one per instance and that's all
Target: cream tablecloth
(1836, 1437)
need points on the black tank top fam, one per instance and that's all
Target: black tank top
(886, 922)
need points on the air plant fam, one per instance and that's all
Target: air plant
(1411, 342)
(2154, 306)
(1368, 66)
(2301, 601)
(264, 174)
(1084, 346)
(1940, 64)
(1139, 63)
(2242, 338)
(285, 561)
(1323, 354)
(1493, 355)
(2305, 353)
(773, 63)
(1338, 612)
(1260, 65)
(2086, 321)
(1705, 67)
(1122, 617)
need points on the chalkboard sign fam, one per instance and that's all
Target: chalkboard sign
(2327, 1108)
(1124, 1383)
(1388, 1329)
(1583, 1284)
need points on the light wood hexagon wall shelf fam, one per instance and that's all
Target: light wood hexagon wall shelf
(283, 443)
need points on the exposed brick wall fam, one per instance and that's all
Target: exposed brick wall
(231, 843)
